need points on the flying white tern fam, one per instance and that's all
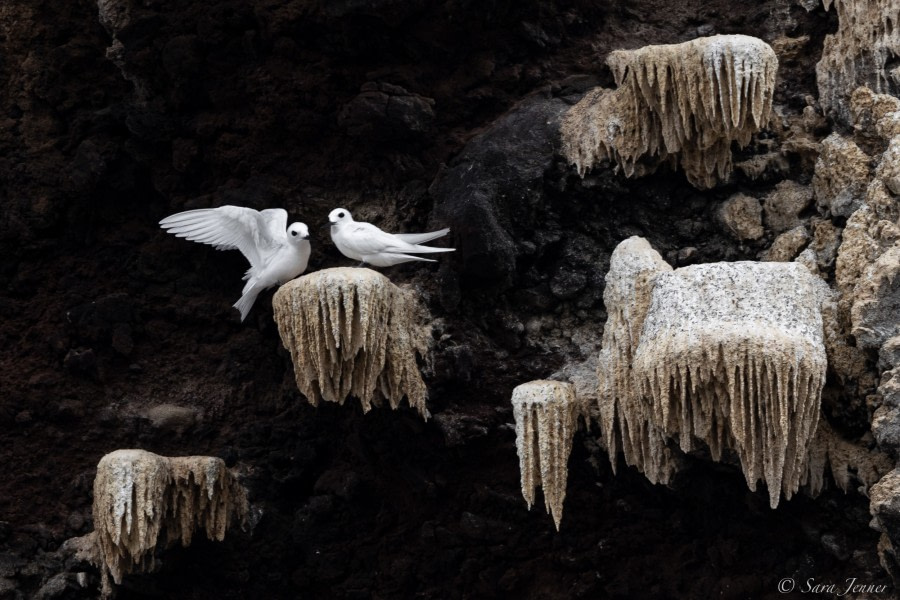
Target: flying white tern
(277, 253)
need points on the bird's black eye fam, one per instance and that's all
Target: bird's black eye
(340, 215)
(294, 233)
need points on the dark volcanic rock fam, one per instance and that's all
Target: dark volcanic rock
(493, 188)
(385, 111)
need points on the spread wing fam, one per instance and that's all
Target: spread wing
(366, 238)
(256, 234)
(274, 232)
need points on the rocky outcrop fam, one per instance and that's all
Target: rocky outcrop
(351, 332)
(732, 355)
(745, 321)
(859, 53)
(742, 216)
(492, 190)
(788, 245)
(545, 413)
(784, 205)
(886, 419)
(842, 174)
(682, 104)
(867, 257)
(885, 508)
(385, 111)
(626, 421)
(143, 501)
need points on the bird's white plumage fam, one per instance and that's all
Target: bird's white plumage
(277, 253)
(367, 243)
(421, 238)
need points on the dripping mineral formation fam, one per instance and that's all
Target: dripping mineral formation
(626, 420)
(351, 332)
(681, 104)
(732, 354)
(861, 52)
(545, 414)
(140, 496)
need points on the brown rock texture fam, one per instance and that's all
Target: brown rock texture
(678, 103)
(842, 174)
(742, 215)
(785, 204)
(788, 245)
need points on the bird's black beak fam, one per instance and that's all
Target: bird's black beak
(327, 224)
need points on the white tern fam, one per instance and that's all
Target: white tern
(277, 253)
(369, 244)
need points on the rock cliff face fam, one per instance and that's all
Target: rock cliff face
(414, 115)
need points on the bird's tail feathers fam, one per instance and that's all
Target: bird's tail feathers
(389, 259)
(245, 303)
(428, 249)
(249, 285)
(421, 238)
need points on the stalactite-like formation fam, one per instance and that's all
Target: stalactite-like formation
(867, 39)
(730, 354)
(845, 460)
(678, 103)
(626, 420)
(129, 500)
(138, 495)
(353, 332)
(603, 126)
(202, 497)
(733, 354)
(545, 413)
